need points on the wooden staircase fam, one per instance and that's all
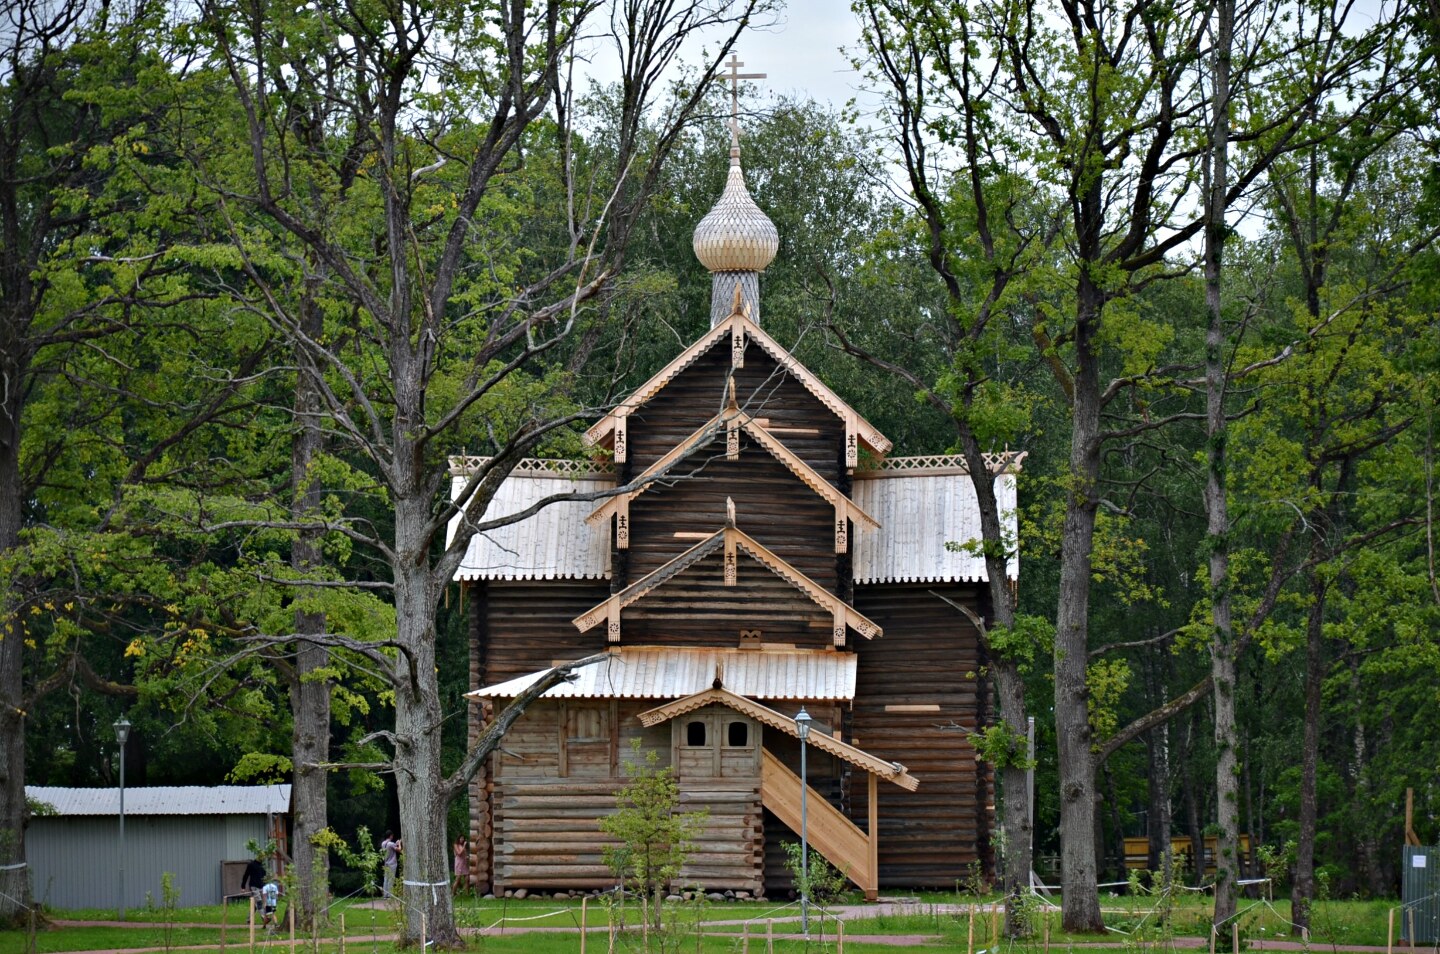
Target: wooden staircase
(827, 831)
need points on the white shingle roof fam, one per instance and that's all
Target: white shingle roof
(165, 800)
(554, 544)
(653, 673)
(919, 513)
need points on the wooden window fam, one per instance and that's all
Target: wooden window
(737, 735)
(695, 733)
(587, 748)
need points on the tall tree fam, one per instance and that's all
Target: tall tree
(983, 229)
(431, 115)
(1103, 107)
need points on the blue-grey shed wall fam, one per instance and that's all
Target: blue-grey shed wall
(74, 859)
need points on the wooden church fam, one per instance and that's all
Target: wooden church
(769, 557)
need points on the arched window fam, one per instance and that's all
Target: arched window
(738, 735)
(695, 733)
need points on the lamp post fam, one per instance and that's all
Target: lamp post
(122, 732)
(802, 729)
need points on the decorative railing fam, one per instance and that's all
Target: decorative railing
(1004, 462)
(462, 465)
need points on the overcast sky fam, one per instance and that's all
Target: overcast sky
(801, 53)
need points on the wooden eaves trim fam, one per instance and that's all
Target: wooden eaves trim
(843, 614)
(890, 771)
(738, 327)
(729, 423)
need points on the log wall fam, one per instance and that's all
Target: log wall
(552, 785)
(929, 656)
(696, 608)
(528, 625)
(771, 504)
(763, 390)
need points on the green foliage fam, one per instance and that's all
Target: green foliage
(363, 856)
(654, 837)
(819, 880)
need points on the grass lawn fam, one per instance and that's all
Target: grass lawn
(1134, 922)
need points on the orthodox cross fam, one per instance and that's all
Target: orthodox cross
(734, 79)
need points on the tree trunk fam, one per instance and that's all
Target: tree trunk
(1015, 812)
(1081, 898)
(1303, 894)
(419, 775)
(1217, 523)
(1157, 818)
(309, 695)
(14, 874)
(1192, 801)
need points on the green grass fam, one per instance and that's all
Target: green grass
(1133, 919)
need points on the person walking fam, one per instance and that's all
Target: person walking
(253, 880)
(392, 847)
(271, 894)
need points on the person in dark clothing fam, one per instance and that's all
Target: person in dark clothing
(253, 880)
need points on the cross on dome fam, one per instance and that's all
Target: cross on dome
(735, 240)
(734, 79)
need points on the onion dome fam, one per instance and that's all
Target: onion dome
(735, 236)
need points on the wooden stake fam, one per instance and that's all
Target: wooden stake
(769, 936)
(422, 932)
(970, 935)
(1410, 919)
(251, 904)
(1045, 920)
(584, 902)
(342, 921)
(1213, 932)
(1390, 933)
(1235, 937)
(995, 927)
(290, 913)
(745, 938)
(839, 937)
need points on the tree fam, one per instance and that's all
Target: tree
(78, 268)
(1103, 107)
(982, 230)
(431, 118)
(654, 836)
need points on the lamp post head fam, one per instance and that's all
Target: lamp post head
(122, 730)
(802, 724)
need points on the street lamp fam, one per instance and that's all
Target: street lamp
(122, 732)
(802, 729)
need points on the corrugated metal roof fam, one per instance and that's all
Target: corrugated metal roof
(554, 544)
(166, 800)
(653, 673)
(919, 513)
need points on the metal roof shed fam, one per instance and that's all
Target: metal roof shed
(73, 848)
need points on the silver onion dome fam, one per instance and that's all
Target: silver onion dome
(735, 236)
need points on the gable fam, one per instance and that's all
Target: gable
(739, 333)
(732, 542)
(730, 426)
